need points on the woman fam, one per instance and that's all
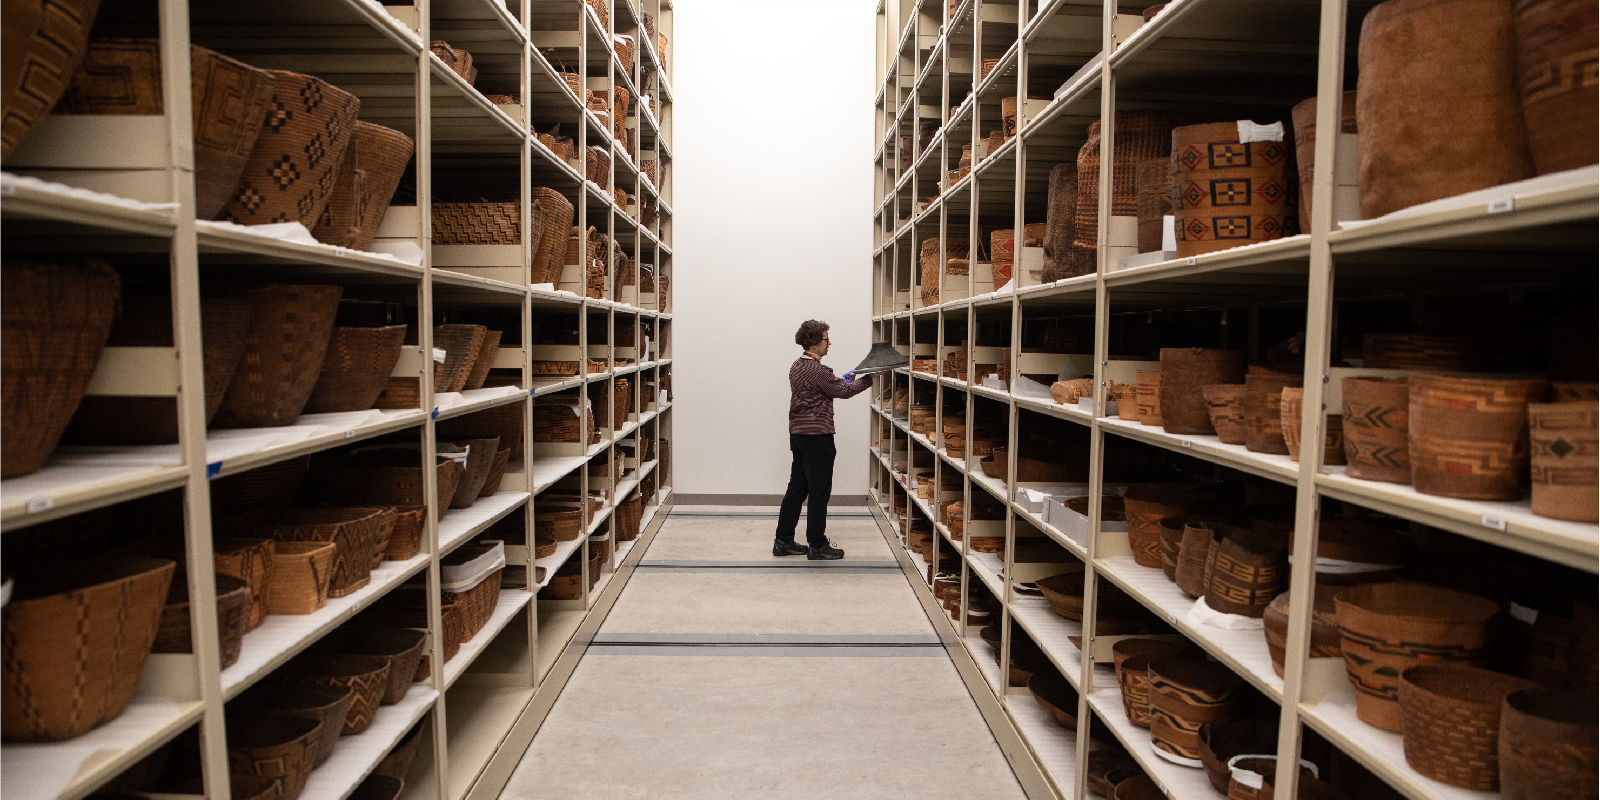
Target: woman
(813, 388)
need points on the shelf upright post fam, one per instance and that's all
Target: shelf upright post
(1097, 434)
(1319, 325)
(184, 267)
(524, 15)
(425, 316)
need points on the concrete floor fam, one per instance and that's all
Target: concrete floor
(708, 723)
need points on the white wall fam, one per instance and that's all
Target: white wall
(773, 146)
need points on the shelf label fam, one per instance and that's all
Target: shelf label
(1493, 522)
(1502, 206)
(41, 504)
(1190, 261)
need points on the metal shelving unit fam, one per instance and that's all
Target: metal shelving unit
(380, 52)
(1228, 59)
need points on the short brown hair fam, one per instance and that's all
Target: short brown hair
(810, 333)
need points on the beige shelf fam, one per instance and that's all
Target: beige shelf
(75, 768)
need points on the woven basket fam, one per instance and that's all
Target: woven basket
(230, 98)
(459, 61)
(357, 533)
(497, 473)
(367, 676)
(625, 51)
(1558, 103)
(460, 344)
(561, 524)
(251, 561)
(1469, 436)
(1140, 136)
(282, 749)
(1170, 535)
(398, 763)
(1305, 146)
(283, 356)
(598, 165)
(264, 488)
(1377, 413)
(599, 8)
(356, 368)
(409, 609)
(1225, 406)
(1548, 745)
(1153, 187)
(146, 321)
(483, 360)
(567, 583)
(1056, 696)
(62, 680)
(43, 45)
(54, 320)
(1324, 626)
(1564, 447)
(1186, 693)
(1386, 627)
(1221, 741)
(405, 538)
(629, 513)
(296, 159)
(1427, 60)
(1263, 409)
(480, 460)
(477, 603)
(1146, 507)
(1450, 718)
(378, 787)
(1420, 352)
(1148, 397)
(1227, 194)
(373, 167)
(478, 223)
(401, 647)
(300, 575)
(328, 706)
(381, 480)
(550, 252)
(1138, 787)
(233, 615)
(1292, 399)
(1197, 552)
(503, 422)
(1249, 569)
(1184, 371)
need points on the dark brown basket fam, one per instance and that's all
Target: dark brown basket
(405, 540)
(1469, 436)
(1184, 370)
(357, 534)
(146, 321)
(1140, 136)
(1377, 429)
(483, 360)
(356, 368)
(1559, 109)
(567, 583)
(43, 44)
(477, 603)
(460, 344)
(402, 647)
(1263, 409)
(267, 488)
(292, 168)
(380, 480)
(1056, 696)
(502, 421)
(1386, 627)
(283, 749)
(544, 547)
(328, 706)
(1324, 626)
(249, 560)
(378, 787)
(398, 762)
(1451, 723)
(1186, 693)
(233, 615)
(373, 167)
(410, 610)
(123, 76)
(1221, 741)
(54, 320)
(497, 473)
(1548, 745)
(1225, 406)
(1153, 185)
(477, 223)
(62, 680)
(562, 524)
(480, 460)
(283, 356)
(367, 676)
(1146, 506)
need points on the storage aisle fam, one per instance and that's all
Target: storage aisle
(724, 672)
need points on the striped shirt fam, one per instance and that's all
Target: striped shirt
(813, 388)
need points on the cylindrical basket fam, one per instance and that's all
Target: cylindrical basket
(1184, 370)
(1548, 745)
(1153, 182)
(1146, 506)
(1553, 38)
(54, 320)
(1140, 136)
(283, 356)
(1324, 626)
(1263, 408)
(1469, 436)
(1249, 570)
(1225, 407)
(1377, 414)
(1227, 193)
(75, 645)
(1426, 61)
(1304, 116)
(1386, 627)
(1564, 451)
(1451, 722)
(1148, 397)
(1186, 693)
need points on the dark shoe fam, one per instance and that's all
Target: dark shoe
(827, 552)
(782, 548)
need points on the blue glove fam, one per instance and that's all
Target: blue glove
(850, 377)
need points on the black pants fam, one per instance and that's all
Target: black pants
(811, 481)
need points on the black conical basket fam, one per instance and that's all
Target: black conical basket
(882, 358)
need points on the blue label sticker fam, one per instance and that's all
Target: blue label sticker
(213, 469)
(435, 412)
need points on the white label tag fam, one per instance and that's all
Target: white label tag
(1502, 206)
(41, 504)
(1524, 614)
(1187, 443)
(1253, 132)
(1493, 522)
(1190, 262)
